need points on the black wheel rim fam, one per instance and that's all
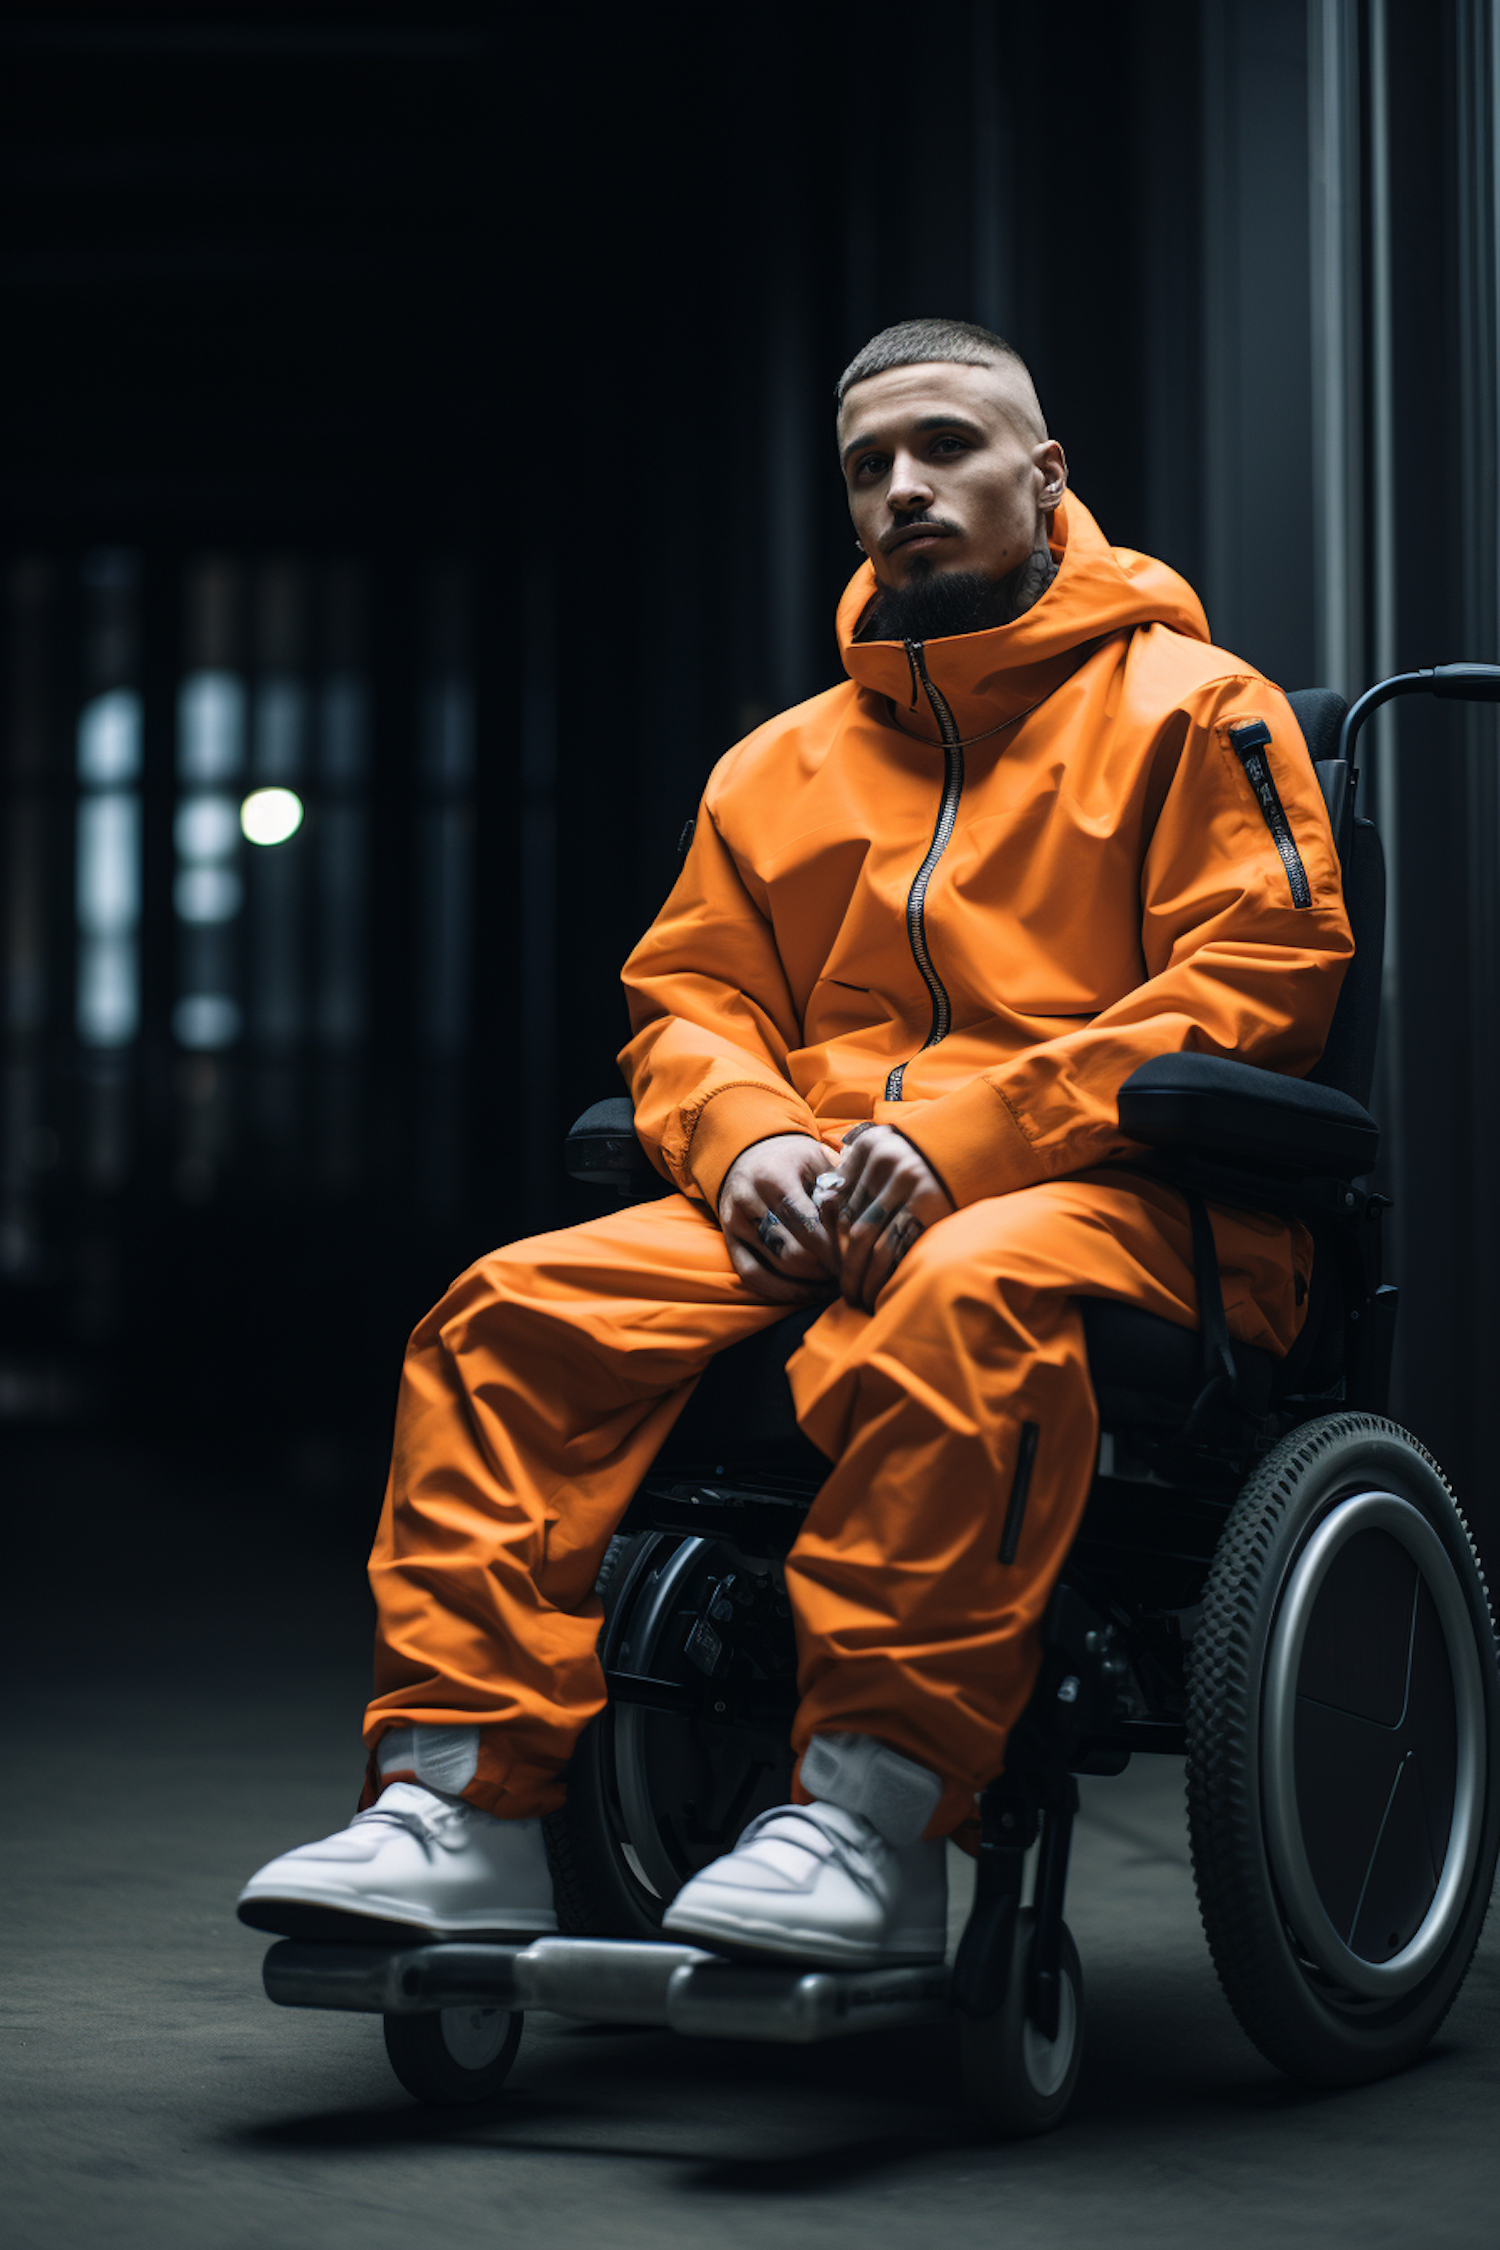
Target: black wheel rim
(686, 1788)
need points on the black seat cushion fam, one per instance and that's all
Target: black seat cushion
(1147, 1372)
(602, 1150)
(1233, 1109)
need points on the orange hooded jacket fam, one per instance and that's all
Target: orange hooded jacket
(970, 889)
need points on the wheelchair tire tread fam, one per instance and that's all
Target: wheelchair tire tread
(1237, 1903)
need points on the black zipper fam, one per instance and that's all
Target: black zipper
(916, 899)
(1250, 743)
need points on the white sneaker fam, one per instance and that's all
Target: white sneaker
(815, 1883)
(845, 1881)
(417, 1861)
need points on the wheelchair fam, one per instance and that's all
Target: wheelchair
(1272, 1582)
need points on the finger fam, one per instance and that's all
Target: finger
(896, 1184)
(771, 1288)
(861, 1193)
(888, 1253)
(853, 1158)
(767, 1237)
(879, 1165)
(816, 1158)
(873, 1207)
(859, 1243)
(805, 1221)
(773, 1241)
(828, 1201)
(772, 1236)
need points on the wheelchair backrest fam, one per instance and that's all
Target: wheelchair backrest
(1348, 1060)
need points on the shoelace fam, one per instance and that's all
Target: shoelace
(852, 1858)
(426, 1827)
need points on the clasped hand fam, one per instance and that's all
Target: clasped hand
(796, 1220)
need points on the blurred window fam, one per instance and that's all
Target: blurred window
(208, 890)
(107, 878)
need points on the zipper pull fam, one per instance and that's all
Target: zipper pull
(914, 662)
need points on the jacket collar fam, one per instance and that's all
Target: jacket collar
(992, 677)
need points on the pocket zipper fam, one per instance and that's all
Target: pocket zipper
(1249, 744)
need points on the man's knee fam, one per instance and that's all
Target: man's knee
(501, 1279)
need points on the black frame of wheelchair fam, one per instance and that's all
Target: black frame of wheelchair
(1271, 1581)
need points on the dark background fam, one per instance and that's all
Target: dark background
(438, 405)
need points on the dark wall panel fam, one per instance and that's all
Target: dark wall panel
(527, 342)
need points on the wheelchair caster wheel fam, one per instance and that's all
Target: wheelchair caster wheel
(1018, 2080)
(454, 2055)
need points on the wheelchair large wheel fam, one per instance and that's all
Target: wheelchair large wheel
(1344, 1752)
(454, 2056)
(652, 1796)
(1019, 2081)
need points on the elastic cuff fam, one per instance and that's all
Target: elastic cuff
(733, 1121)
(866, 1776)
(973, 1143)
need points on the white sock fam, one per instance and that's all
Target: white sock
(861, 1775)
(442, 1758)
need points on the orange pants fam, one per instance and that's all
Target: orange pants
(535, 1396)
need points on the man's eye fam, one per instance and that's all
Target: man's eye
(949, 444)
(873, 464)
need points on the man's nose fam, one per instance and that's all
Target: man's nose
(909, 490)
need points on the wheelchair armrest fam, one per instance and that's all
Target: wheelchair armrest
(603, 1151)
(1259, 1117)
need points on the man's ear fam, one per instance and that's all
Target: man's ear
(1052, 463)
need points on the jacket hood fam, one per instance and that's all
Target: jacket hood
(993, 676)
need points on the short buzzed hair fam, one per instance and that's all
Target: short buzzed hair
(914, 343)
(962, 343)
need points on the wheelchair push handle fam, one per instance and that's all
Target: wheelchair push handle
(1456, 683)
(1459, 683)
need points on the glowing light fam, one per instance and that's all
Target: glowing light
(206, 1020)
(270, 816)
(210, 726)
(207, 894)
(109, 738)
(207, 828)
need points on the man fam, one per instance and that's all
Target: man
(928, 924)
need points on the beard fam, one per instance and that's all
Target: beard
(934, 605)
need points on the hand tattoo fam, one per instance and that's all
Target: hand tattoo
(905, 1229)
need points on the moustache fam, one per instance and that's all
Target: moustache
(899, 533)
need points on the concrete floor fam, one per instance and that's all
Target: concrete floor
(169, 1745)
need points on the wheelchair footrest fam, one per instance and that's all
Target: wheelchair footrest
(717, 1999)
(607, 1980)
